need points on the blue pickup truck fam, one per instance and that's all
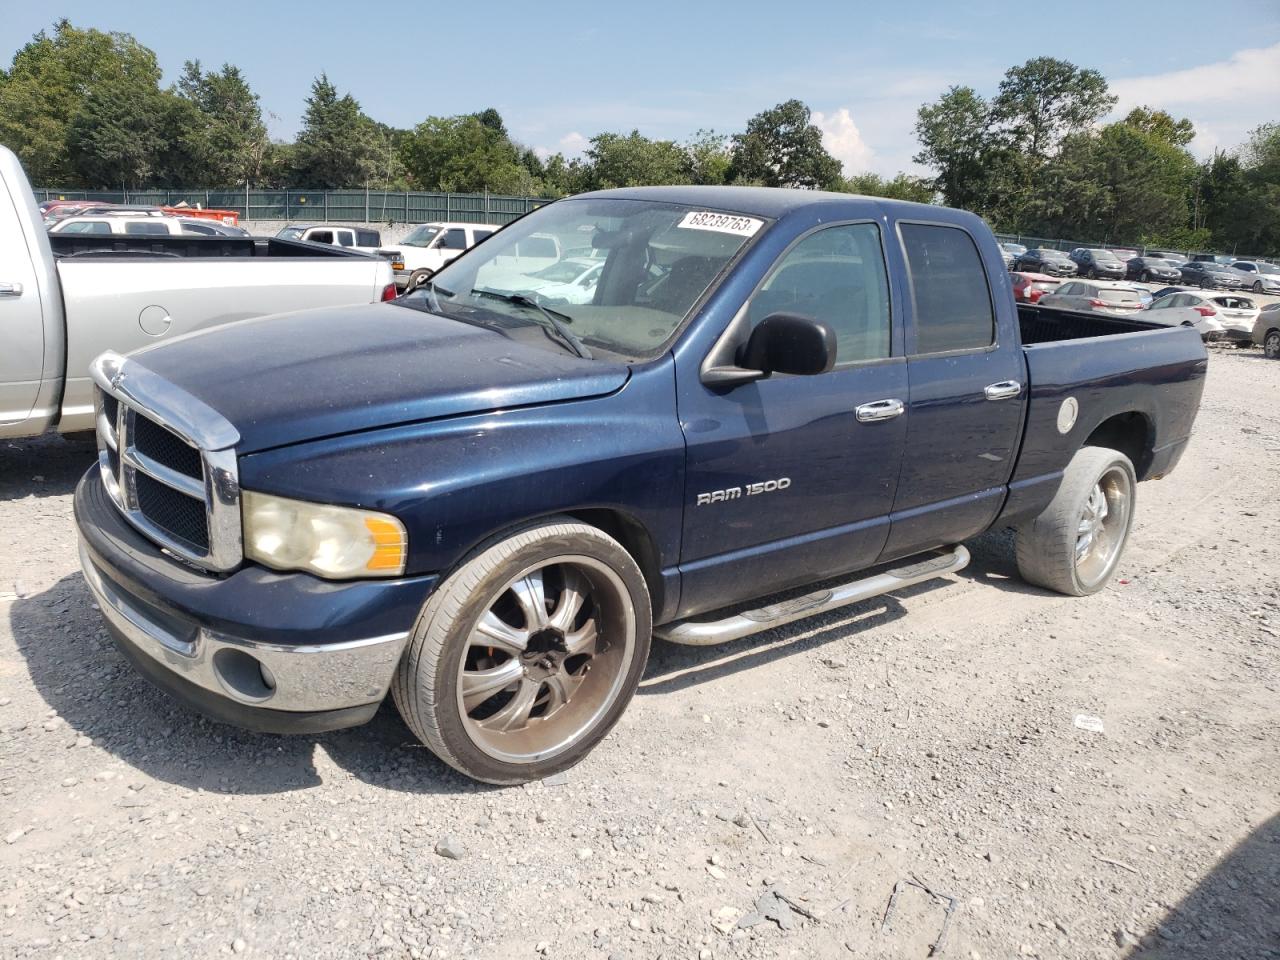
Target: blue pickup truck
(487, 501)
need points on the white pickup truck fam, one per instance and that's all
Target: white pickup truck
(64, 299)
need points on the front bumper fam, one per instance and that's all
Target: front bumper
(280, 653)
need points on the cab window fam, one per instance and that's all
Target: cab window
(836, 275)
(453, 239)
(949, 289)
(148, 227)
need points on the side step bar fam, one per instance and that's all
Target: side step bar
(704, 633)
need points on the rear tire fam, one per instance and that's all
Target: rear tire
(524, 658)
(1271, 345)
(1257, 286)
(1074, 545)
(1146, 276)
(417, 279)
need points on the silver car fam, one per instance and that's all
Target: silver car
(1263, 277)
(1266, 331)
(1095, 296)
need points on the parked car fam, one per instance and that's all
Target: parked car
(1266, 331)
(487, 507)
(567, 281)
(1097, 264)
(1030, 287)
(1166, 291)
(1011, 252)
(210, 228)
(1055, 263)
(1095, 296)
(1264, 277)
(65, 297)
(1151, 270)
(362, 239)
(102, 225)
(429, 246)
(1216, 317)
(1211, 274)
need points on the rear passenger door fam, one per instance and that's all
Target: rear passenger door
(966, 394)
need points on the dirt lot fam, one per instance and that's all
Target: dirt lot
(757, 801)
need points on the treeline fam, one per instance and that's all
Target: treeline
(83, 108)
(1037, 159)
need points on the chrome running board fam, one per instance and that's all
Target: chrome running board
(703, 633)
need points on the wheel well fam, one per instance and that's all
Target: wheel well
(1130, 433)
(635, 539)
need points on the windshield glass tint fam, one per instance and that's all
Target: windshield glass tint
(1118, 296)
(290, 233)
(420, 236)
(655, 260)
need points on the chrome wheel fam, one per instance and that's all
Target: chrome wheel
(546, 660)
(1102, 525)
(1271, 345)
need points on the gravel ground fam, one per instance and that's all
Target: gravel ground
(760, 800)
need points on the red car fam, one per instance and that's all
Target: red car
(1030, 287)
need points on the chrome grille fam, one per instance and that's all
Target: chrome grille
(181, 493)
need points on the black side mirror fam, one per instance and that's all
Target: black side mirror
(790, 343)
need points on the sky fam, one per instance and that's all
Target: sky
(561, 72)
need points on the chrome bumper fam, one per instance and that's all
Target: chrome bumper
(304, 679)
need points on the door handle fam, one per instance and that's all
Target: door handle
(879, 410)
(10, 289)
(1003, 390)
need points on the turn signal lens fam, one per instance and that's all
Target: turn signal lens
(339, 543)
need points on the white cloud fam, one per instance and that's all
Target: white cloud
(574, 143)
(843, 140)
(1247, 73)
(1225, 99)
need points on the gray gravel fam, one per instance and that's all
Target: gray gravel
(758, 801)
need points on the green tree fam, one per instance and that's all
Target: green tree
(901, 187)
(955, 139)
(1044, 100)
(467, 155)
(115, 137)
(230, 138)
(634, 160)
(781, 147)
(338, 144)
(1240, 195)
(1161, 125)
(44, 93)
(708, 158)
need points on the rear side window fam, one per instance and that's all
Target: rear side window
(481, 234)
(87, 226)
(320, 236)
(147, 227)
(345, 239)
(949, 289)
(367, 238)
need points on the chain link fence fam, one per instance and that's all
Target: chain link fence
(322, 206)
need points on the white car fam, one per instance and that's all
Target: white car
(1263, 277)
(360, 239)
(129, 225)
(429, 246)
(567, 281)
(1095, 296)
(1218, 316)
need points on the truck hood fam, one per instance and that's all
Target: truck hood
(301, 376)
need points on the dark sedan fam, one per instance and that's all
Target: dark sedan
(1208, 274)
(1097, 264)
(1053, 262)
(1151, 270)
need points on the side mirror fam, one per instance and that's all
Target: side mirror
(790, 343)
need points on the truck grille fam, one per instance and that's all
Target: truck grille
(184, 497)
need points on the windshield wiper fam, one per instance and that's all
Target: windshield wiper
(553, 317)
(433, 292)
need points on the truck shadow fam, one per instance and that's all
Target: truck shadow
(48, 466)
(1232, 912)
(79, 672)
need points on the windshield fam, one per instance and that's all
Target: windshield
(420, 236)
(1052, 255)
(291, 233)
(654, 261)
(1268, 268)
(1112, 295)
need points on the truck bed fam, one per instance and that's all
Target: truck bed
(1043, 325)
(67, 245)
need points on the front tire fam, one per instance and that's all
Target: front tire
(524, 658)
(1074, 545)
(1257, 286)
(417, 279)
(1146, 276)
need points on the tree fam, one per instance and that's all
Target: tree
(230, 138)
(467, 155)
(954, 135)
(1161, 125)
(46, 87)
(708, 158)
(114, 139)
(634, 160)
(901, 187)
(1044, 100)
(782, 148)
(337, 146)
(1240, 194)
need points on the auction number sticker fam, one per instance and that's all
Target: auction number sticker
(721, 223)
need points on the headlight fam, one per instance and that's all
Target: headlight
(335, 542)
